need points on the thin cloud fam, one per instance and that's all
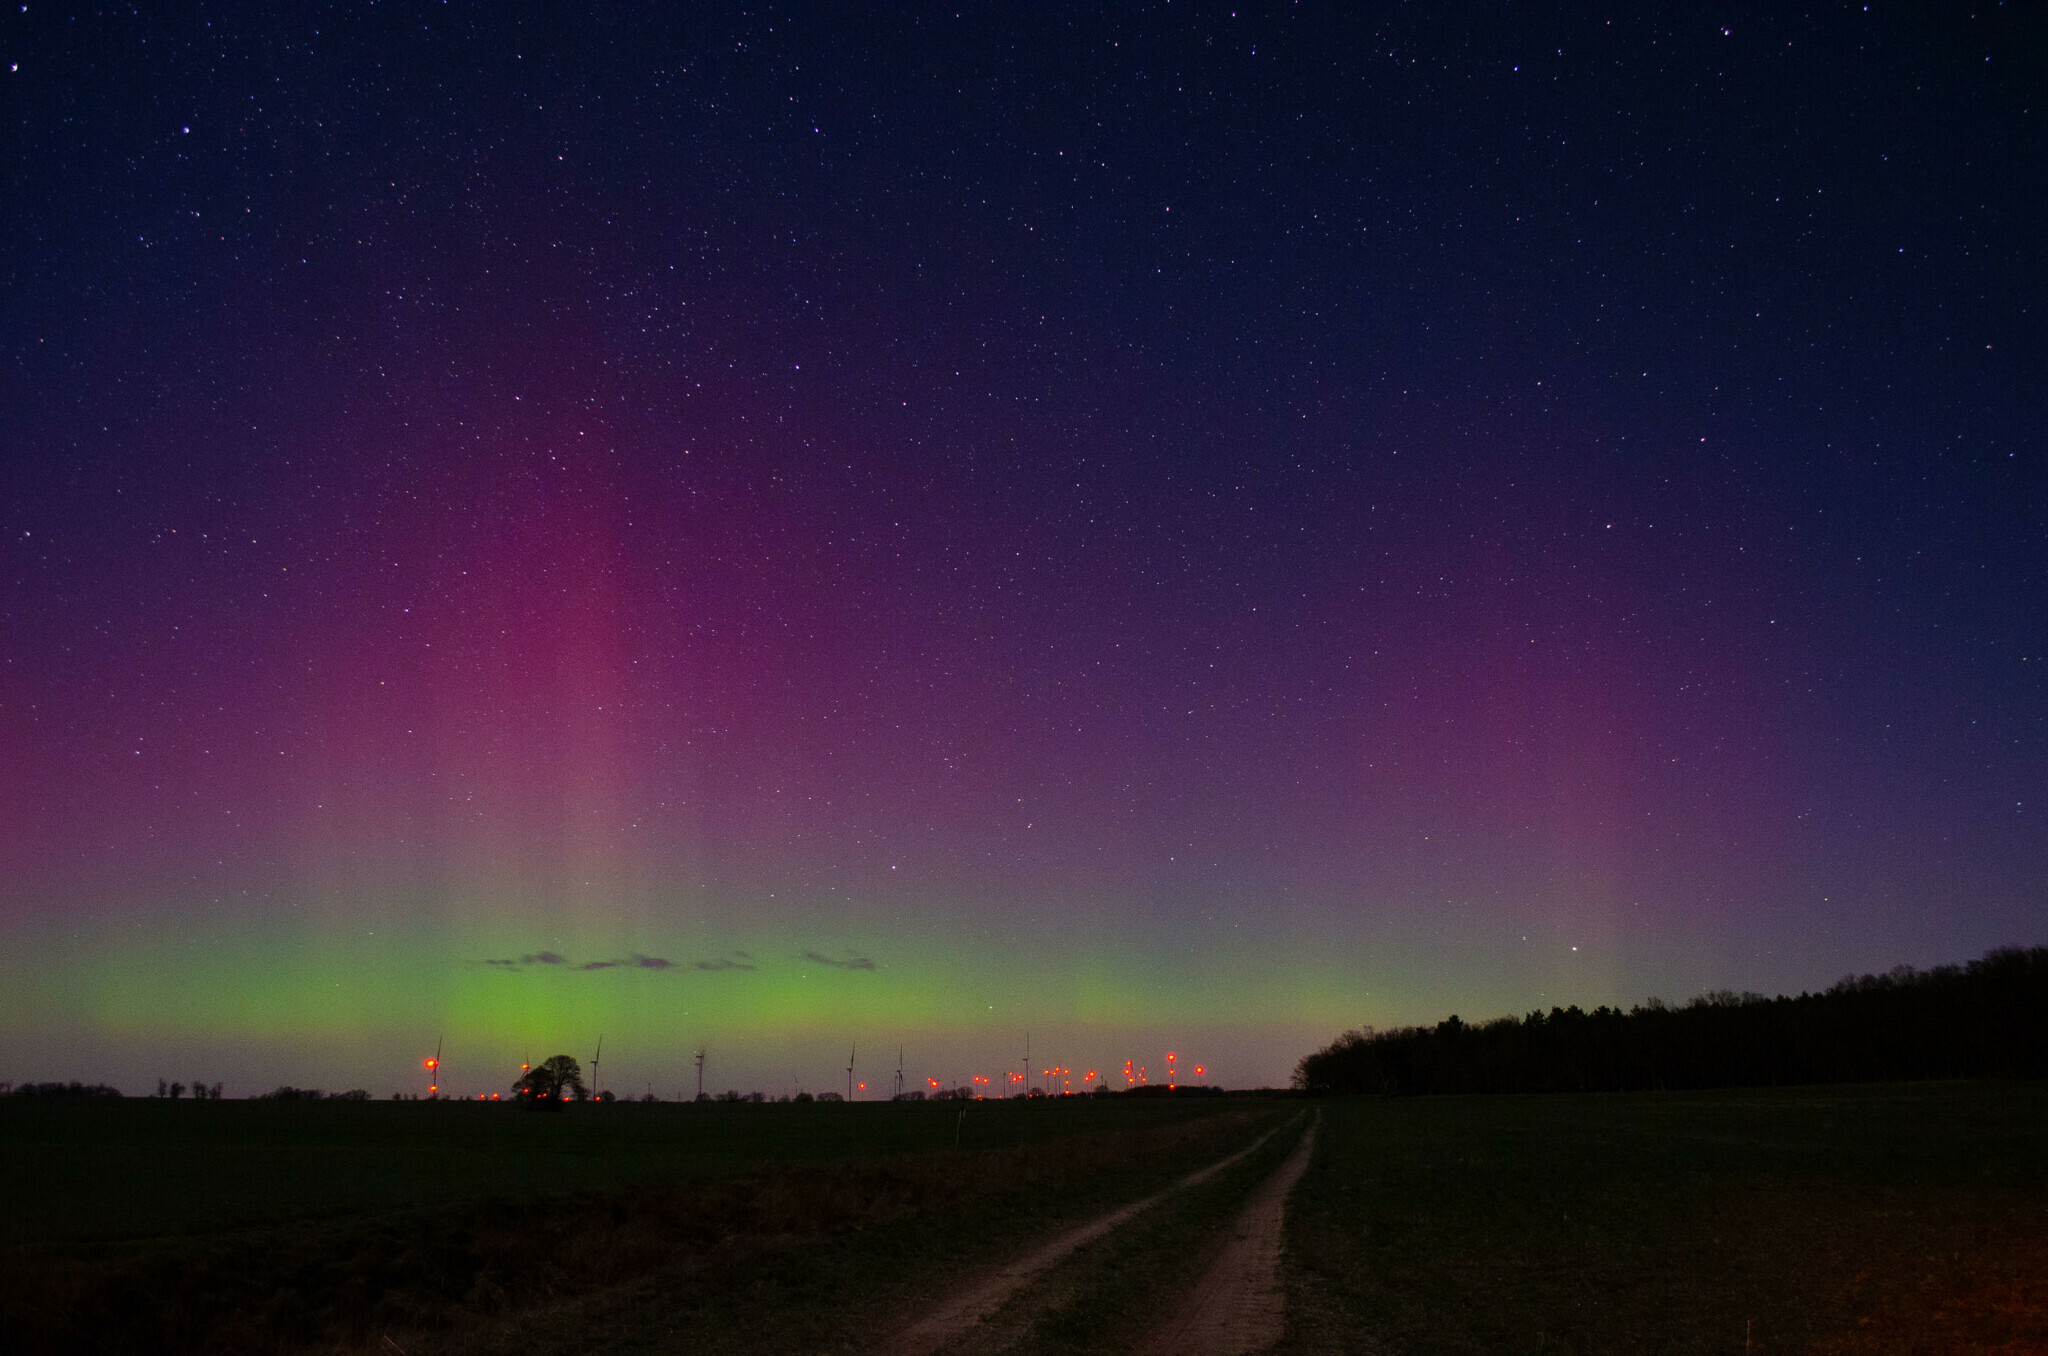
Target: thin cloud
(637, 962)
(537, 958)
(850, 963)
(723, 964)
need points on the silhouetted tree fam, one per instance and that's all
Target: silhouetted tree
(551, 1082)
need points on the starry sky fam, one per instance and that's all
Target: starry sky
(1159, 526)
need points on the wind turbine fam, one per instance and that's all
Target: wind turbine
(849, 1070)
(434, 1069)
(594, 1084)
(898, 1092)
(700, 1073)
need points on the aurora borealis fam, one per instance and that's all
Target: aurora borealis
(1162, 527)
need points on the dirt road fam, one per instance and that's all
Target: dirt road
(1239, 1308)
(956, 1316)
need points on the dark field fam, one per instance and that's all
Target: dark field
(116, 1169)
(249, 1226)
(1906, 1218)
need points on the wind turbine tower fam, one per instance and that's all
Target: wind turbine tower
(849, 1070)
(899, 1075)
(594, 1084)
(700, 1073)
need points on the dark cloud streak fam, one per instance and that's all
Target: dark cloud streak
(850, 963)
(537, 958)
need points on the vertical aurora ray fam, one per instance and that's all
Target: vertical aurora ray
(1147, 588)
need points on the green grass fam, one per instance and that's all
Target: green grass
(275, 1227)
(1870, 1219)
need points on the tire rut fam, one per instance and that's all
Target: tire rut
(1240, 1307)
(959, 1313)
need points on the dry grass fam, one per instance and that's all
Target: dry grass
(1974, 1279)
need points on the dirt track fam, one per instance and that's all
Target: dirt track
(958, 1314)
(1239, 1307)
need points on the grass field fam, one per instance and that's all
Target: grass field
(1828, 1221)
(224, 1226)
(104, 1170)
(1907, 1218)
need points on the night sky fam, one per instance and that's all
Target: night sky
(1164, 527)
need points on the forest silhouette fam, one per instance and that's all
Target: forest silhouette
(1988, 1018)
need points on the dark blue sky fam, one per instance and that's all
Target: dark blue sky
(1323, 508)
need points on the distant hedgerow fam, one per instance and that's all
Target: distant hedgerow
(71, 1089)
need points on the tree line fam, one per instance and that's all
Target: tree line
(1988, 1018)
